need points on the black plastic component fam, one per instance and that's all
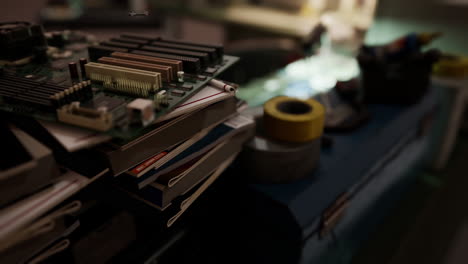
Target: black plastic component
(83, 62)
(177, 92)
(401, 81)
(40, 54)
(21, 39)
(213, 55)
(73, 69)
(57, 39)
(130, 40)
(219, 47)
(202, 56)
(130, 36)
(190, 65)
(96, 52)
(45, 95)
(129, 46)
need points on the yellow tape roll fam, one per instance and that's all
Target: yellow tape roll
(452, 66)
(293, 120)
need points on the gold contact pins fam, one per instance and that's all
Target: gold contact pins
(125, 80)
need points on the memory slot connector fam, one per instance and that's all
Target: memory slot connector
(219, 47)
(210, 51)
(165, 71)
(123, 45)
(191, 65)
(202, 56)
(95, 52)
(124, 80)
(45, 95)
(176, 65)
(130, 40)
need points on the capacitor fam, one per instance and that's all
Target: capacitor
(73, 71)
(180, 76)
(83, 61)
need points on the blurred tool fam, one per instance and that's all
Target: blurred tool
(398, 72)
(344, 108)
(139, 13)
(403, 46)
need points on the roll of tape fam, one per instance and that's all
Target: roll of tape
(452, 66)
(293, 120)
(264, 160)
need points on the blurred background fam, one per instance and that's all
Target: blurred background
(301, 48)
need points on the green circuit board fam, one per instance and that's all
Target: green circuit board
(56, 71)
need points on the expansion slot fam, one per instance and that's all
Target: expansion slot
(96, 52)
(202, 56)
(219, 47)
(191, 65)
(165, 71)
(211, 51)
(124, 80)
(130, 36)
(123, 45)
(176, 65)
(130, 40)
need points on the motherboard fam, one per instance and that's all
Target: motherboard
(119, 86)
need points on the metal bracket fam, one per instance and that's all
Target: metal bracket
(332, 215)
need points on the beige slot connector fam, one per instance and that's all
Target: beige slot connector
(125, 80)
(84, 117)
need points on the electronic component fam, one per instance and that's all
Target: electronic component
(165, 71)
(114, 105)
(210, 70)
(161, 99)
(59, 65)
(130, 40)
(73, 69)
(124, 80)
(130, 36)
(61, 54)
(123, 45)
(119, 71)
(96, 52)
(47, 96)
(177, 92)
(218, 47)
(83, 62)
(186, 87)
(176, 65)
(21, 39)
(55, 39)
(111, 103)
(190, 64)
(202, 56)
(96, 119)
(141, 111)
(213, 56)
(180, 76)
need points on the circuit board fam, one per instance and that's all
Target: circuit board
(95, 92)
